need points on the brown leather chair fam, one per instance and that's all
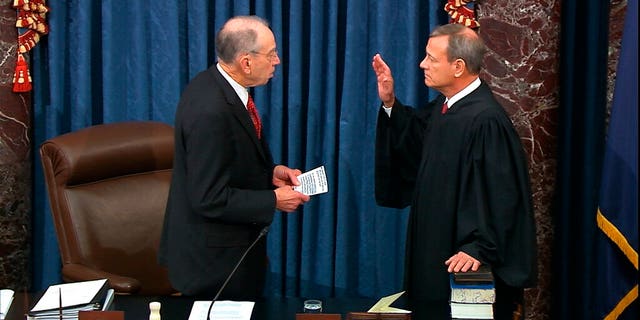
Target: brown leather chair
(108, 187)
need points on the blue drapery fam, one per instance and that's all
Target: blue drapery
(108, 61)
(583, 74)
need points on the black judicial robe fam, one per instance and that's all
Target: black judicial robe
(465, 175)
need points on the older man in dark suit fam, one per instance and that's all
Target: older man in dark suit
(225, 187)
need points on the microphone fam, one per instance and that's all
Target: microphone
(262, 233)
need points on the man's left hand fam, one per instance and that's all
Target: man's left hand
(285, 176)
(462, 262)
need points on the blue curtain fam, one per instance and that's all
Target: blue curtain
(108, 61)
(583, 75)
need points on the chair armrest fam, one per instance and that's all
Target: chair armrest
(73, 272)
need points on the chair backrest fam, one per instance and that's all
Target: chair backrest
(108, 187)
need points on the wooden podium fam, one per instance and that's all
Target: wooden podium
(354, 316)
(318, 316)
(100, 315)
(378, 316)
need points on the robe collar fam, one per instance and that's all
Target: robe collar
(463, 93)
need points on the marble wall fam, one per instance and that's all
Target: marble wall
(15, 162)
(522, 68)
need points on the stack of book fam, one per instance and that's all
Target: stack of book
(64, 301)
(472, 294)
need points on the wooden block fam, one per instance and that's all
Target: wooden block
(318, 316)
(377, 316)
(100, 315)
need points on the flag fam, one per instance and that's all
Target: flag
(617, 216)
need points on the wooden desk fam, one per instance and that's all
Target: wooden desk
(178, 308)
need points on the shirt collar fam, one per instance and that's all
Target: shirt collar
(463, 93)
(242, 92)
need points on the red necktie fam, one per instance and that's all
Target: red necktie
(255, 117)
(444, 108)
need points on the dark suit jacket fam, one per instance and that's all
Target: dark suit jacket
(221, 194)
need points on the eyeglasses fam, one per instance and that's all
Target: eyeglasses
(271, 55)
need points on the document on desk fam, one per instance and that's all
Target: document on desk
(383, 305)
(72, 296)
(222, 310)
(6, 297)
(313, 182)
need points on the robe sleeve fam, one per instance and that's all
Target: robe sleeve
(495, 213)
(398, 151)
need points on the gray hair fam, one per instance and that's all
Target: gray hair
(463, 44)
(237, 36)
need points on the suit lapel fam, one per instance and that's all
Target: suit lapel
(239, 111)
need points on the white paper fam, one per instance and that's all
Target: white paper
(313, 182)
(108, 300)
(73, 294)
(6, 297)
(383, 305)
(222, 310)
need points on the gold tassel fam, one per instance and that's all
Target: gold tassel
(459, 13)
(21, 77)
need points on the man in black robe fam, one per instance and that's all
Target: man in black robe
(460, 165)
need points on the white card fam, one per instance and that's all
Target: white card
(313, 182)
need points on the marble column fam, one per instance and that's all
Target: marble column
(522, 67)
(15, 162)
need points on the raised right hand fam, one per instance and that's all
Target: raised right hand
(385, 80)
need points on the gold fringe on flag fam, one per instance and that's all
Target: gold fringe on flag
(612, 232)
